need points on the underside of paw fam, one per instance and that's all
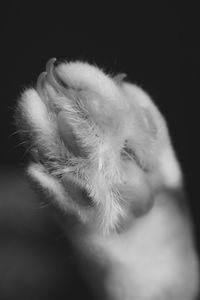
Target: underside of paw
(99, 143)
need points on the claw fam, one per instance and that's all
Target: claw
(40, 84)
(49, 76)
(53, 78)
(49, 83)
(50, 63)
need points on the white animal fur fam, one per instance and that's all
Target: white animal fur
(151, 255)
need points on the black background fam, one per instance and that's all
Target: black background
(156, 43)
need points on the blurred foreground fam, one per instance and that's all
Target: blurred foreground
(36, 261)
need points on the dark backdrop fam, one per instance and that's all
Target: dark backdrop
(157, 44)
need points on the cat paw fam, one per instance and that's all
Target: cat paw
(97, 142)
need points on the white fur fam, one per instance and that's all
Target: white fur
(151, 257)
(55, 190)
(36, 112)
(154, 259)
(50, 184)
(170, 168)
(82, 75)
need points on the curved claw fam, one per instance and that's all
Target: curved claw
(50, 63)
(53, 78)
(50, 78)
(40, 84)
